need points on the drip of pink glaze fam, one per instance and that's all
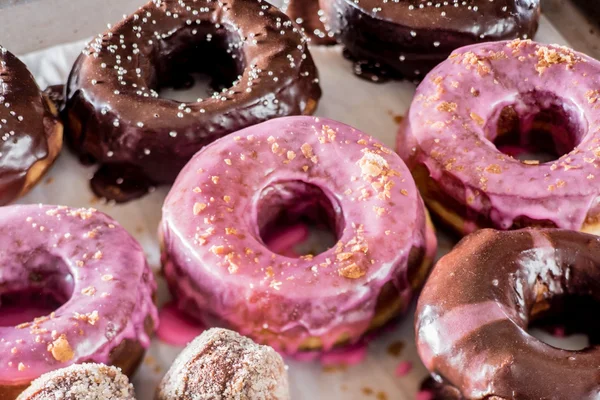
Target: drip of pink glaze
(424, 395)
(352, 355)
(559, 332)
(403, 369)
(175, 328)
(513, 151)
(283, 241)
(15, 315)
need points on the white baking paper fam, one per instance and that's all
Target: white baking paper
(370, 107)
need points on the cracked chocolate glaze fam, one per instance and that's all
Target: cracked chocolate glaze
(407, 38)
(30, 133)
(473, 314)
(117, 118)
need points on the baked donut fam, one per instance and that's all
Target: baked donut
(116, 117)
(84, 260)
(221, 364)
(81, 382)
(407, 38)
(485, 97)
(474, 311)
(310, 17)
(29, 128)
(235, 191)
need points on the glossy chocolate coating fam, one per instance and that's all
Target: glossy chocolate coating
(26, 124)
(308, 14)
(117, 118)
(473, 314)
(407, 38)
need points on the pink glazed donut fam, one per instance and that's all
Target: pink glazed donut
(230, 194)
(86, 261)
(489, 103)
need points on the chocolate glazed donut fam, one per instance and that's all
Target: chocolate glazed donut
(29, 128)
(407, 38)
(117, 118)
(473, 314)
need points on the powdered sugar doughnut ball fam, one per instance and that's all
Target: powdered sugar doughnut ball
(81, 382)
(221, 364)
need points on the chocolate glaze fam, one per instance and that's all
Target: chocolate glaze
(26, 125)
(473, 314)
(407, 38)
(116, 117)
(308, 14)
(56, 94)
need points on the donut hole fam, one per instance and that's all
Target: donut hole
(195, 63)
(295, 218)
(39, 287)
(539, 127)
(567, 322)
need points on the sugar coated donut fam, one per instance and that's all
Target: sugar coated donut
(474, 311)
(233, 192)
(117, 117)
(221, 364)
(84, 260)
(457, 138)
(29, 128)
(407, 38)
(81, 382)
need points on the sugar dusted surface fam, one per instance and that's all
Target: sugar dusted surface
(220, 365)
(81, 382)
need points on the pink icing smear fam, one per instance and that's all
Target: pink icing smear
(352, 355)
(176, 328)
(16, 315)
(403, 369)
(424, 395)
(284, 241)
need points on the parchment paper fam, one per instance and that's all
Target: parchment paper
(373, 108)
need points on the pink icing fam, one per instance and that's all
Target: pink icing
(403, 369)
(176, 328)
(424, 395)
(282, 242)
(452, 124)
(350, 355)
(78, 251)
(217, 265)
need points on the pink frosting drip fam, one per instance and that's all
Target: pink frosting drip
(451, 126)
(176, 328)
(111, 283)
(217, 265)
(403, 369)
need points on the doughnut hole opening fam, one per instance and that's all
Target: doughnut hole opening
(35, 289)
(536, 128)
(196, 62)
(295, 218)
(566, 322)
